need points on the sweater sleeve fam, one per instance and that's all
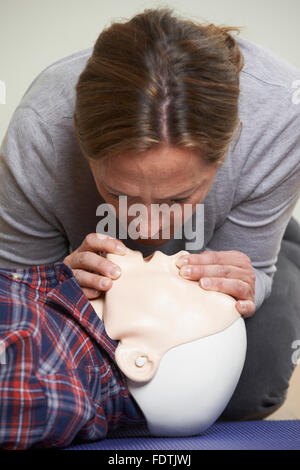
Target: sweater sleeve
(30, 233)
(263, 286)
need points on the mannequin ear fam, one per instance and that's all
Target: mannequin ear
(136, 364)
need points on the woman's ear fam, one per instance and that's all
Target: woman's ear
(136, 364)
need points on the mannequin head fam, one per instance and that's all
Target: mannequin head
(177, 342)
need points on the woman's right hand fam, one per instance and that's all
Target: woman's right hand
(93, 272)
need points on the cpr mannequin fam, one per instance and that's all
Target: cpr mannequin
(181, 348)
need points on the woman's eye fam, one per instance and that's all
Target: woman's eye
(180, 200)
(115, 196)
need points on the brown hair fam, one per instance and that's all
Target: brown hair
(159, 80)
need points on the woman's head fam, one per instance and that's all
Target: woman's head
(158, 79)
(156, 84)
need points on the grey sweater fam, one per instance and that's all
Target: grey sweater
(48, 197)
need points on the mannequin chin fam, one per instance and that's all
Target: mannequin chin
(181, 348)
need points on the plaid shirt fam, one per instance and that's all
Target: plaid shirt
(58, 376)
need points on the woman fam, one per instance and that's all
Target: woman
(165, 110)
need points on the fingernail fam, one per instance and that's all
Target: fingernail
(102, 236)
(121, 249)
(186, 272)
(104, 283)
(181, 261)
(114, 272)
(205, 282)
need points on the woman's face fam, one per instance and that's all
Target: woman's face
(168, 175)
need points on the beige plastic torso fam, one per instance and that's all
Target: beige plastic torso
(152, 308)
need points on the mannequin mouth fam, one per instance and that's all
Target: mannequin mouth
(148, 258)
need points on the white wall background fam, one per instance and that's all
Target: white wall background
(35, 33)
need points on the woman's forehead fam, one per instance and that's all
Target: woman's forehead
(181, 169)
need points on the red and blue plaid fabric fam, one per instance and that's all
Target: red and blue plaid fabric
(58, 376)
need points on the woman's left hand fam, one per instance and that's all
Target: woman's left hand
(230, 272)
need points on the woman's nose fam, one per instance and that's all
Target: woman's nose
(149, 223)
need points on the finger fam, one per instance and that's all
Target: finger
(89, 261)
(246, 308)
(236, 288)
(91, 293)
(229, 257)
(92, 281)
(195, 272)
(100, 242)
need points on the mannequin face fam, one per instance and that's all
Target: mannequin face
(166, 175)
(151, 308)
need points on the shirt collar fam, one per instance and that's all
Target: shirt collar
(68, 295)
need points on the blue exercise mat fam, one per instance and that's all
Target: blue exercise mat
(237, 435)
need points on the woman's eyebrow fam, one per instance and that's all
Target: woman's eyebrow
(183, 193)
